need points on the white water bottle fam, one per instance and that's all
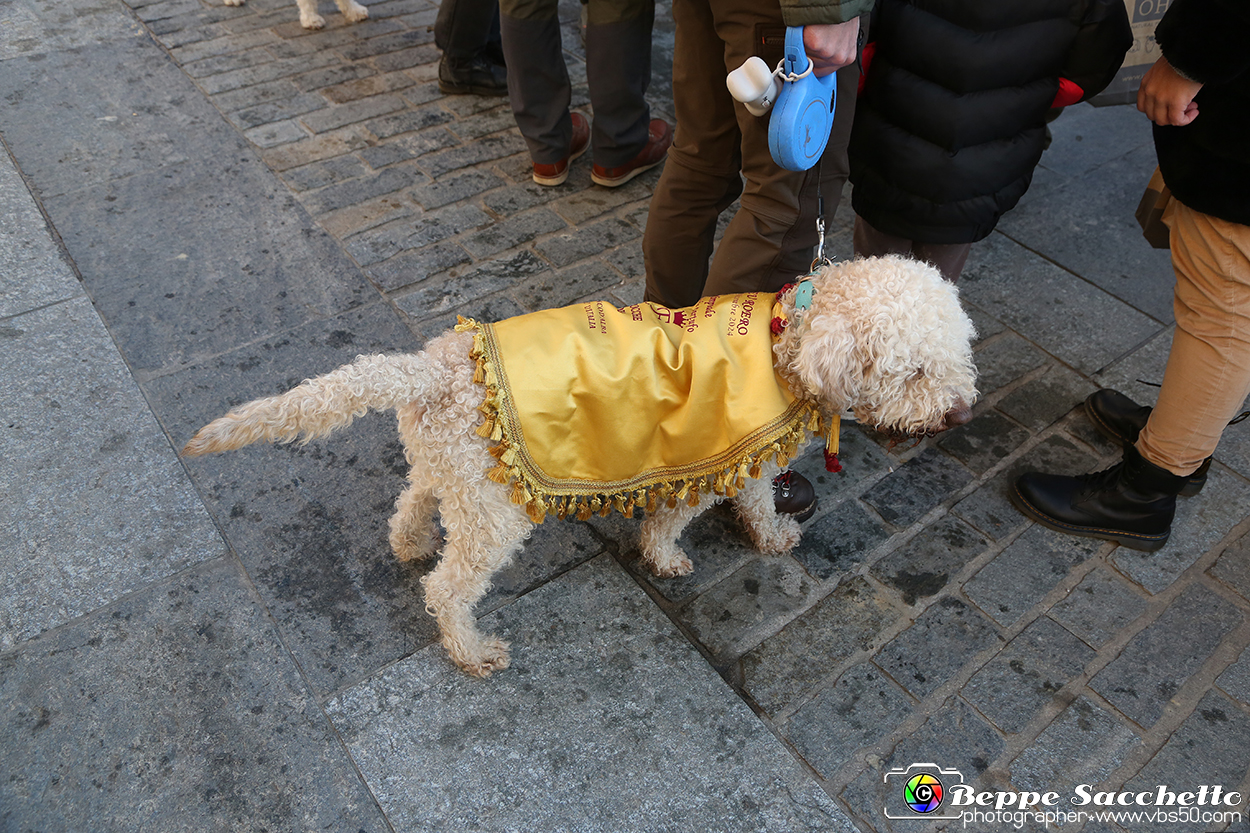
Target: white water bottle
(755, 85)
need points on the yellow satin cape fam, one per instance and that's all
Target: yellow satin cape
(591, 408)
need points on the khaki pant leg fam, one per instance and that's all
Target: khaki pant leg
(1208, 372)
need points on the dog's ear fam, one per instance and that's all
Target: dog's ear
(828, 361)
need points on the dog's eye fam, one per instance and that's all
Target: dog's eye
(918, 373)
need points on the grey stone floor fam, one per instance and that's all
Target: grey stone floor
(200, 204)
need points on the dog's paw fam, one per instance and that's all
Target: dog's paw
(669, 565)
(356, 13)
(418, 546)
(312, 21)
(491, 655)
(232, 2)
(778, 537)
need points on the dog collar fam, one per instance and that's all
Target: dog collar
(804, 291)
(803, 294)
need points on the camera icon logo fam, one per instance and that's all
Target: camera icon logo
(923, 792)
(919, 792)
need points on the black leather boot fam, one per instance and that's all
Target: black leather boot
(793, 494)
(1120, 420)
(478, 75)
(1131, 503)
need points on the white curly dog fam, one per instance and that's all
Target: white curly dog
(883, 337)
(352, 11)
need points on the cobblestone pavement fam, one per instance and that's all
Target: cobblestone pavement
(200, 204)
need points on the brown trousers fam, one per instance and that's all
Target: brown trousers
(1208, 371)
(717, 143)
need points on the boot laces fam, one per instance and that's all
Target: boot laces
(1098, 481)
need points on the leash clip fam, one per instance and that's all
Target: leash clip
(820, 259)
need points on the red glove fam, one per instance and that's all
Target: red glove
(865, 59)
(1069, 93)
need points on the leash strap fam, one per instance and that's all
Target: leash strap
(820, 259)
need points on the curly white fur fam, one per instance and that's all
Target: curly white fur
(352, 11)
(885, 337)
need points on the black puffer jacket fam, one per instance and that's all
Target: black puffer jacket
(1206, 163)
(951, 121)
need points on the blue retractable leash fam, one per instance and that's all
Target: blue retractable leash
(802, 118)
(800, 122)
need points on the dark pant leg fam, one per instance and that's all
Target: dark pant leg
(949, 258)
(463, 28)
(618, 72)
(538, 80)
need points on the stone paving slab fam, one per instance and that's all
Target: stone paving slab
(171, 710)
(930, 561)
(35, 272)
(858, 710)
(1204, 750)
(1099, 607)
(1061, 313)
(1026, 675)
(1233, 566)
(1160, 659)
(120, 108)
(1201, 522)
(1026, 571)
(1097, 236)
(989, 510)
(95, 505)
(1085, 744)
(845, 624)
(955, 737)
(222, 281)
(606, 721)
(294, 514)
(39, 28)
(940, 642)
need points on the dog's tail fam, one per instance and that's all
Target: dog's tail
(320, 405)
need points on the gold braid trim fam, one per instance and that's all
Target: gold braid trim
(721, 475)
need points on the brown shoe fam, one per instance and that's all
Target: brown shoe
(659, 137)
(557, 172)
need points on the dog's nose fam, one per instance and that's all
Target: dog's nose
(958, 415)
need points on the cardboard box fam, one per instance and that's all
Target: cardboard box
(1143, 15)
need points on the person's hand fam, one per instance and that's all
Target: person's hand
(831, 46)
(1166, 97)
